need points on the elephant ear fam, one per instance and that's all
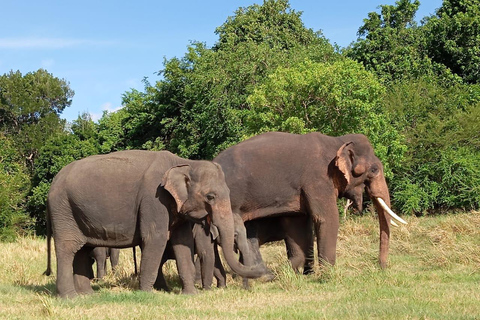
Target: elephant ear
(344, 160)
(177, 181)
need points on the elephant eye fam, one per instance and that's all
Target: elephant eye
(374, 170)
(210, 197)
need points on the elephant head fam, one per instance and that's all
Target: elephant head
(200, 191)
(358, 170)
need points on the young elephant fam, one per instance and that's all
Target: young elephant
(207, 264)
(131, 198)
(101, 255)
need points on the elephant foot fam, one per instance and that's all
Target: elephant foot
(82, 285)
(246, 284)
(68, 295)
(189, 291)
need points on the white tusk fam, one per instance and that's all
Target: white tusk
(393, 223)
(390, 212)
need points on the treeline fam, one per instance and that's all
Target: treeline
(413, 89)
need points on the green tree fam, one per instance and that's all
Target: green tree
(333, 98)
(56, 153)
(199, 107)
(453, 37)
(440, 123)
(30, 106)
(391, 44)
(110, 131)
(14, 186)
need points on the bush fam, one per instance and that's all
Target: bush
(14, 185)
(441, 169)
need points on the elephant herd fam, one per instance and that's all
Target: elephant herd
(274, 186)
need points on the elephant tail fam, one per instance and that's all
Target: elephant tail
(49, 250)
(135, 260)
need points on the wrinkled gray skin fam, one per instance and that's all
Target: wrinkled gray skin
(275, 173)
(208, 264)
(101, 255)
(297, 233)
(131, 198)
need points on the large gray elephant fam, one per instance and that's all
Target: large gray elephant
(130, 198)
(276, 173)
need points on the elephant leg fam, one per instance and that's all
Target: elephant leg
(219, 271)
(205, 253)
(65, 251)
(100, 256)
(183, 244)
(160, 282)
(299, 242)
(324, 213)
(152, 251)
(154, 222)
(114, 258)
(198, 271)
(82, 271)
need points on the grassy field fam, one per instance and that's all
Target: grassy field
(433, 273)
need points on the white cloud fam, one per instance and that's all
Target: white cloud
(108, 107)
(47, 43)
(47, 63)
(105, 107)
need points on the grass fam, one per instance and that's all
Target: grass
(433, 273)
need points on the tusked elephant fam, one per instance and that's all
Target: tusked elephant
(130, 198)
(277, 173)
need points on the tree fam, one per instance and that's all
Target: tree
(199, 107)
(56, 153)
(30, 106)
(453, 37)
(441, 126)
(392, 45)
(333, 98)
(14, 186)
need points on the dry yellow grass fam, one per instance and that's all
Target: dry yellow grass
(434, 273)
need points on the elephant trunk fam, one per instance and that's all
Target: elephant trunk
(380, 196)
(384, 221)
(225, 225)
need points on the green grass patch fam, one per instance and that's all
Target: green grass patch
(433, 273)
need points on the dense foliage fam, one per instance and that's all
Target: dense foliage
(411, 87)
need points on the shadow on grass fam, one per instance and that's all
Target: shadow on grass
(47, 289)
(129, 283)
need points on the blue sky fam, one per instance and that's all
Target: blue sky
(105, 48)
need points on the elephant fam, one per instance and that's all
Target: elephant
(208, 264)
(277, 173)
(297, 233)
(129, 198)
(101, 254)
